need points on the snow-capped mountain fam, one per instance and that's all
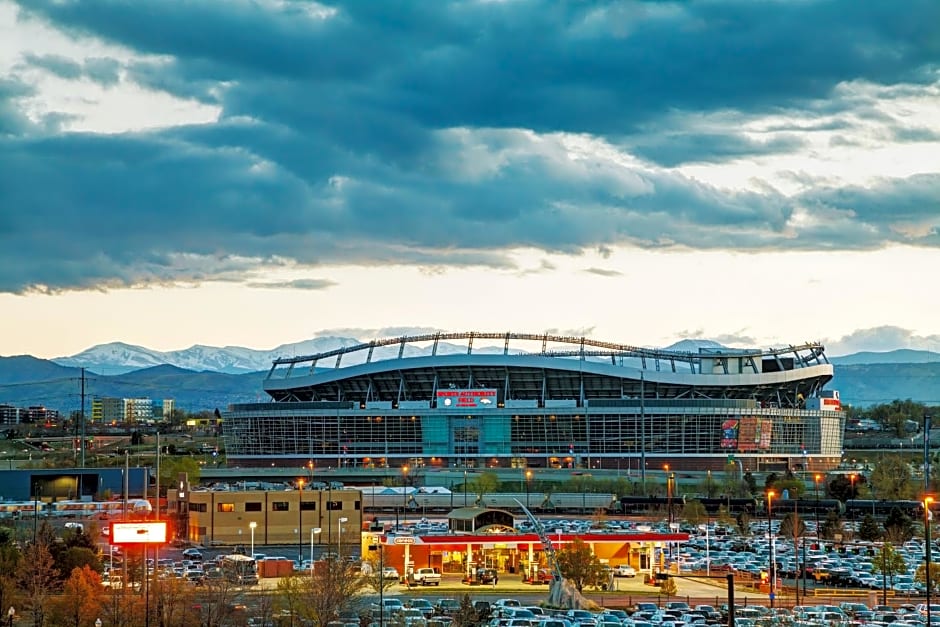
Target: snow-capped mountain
(118, 357)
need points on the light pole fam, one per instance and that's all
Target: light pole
(339, 536)
(313, 531)
(927, 516)
(816, 479)
(852, 485)
(252, 526)
(300, 521)
(771, 568)
(528, 478)
(404, 494)
(708, 559)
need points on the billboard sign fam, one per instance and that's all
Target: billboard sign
(138, 533)
(453, 398)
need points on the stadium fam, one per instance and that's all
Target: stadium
(541, 401)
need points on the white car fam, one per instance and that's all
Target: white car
(390, 572)
(624, 570)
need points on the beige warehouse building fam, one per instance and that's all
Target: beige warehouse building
(240, 517)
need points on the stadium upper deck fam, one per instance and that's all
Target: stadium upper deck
(570, 401)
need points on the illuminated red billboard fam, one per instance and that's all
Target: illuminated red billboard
(138, 533)
(482, 398)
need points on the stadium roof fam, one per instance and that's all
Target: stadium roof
(560, 368)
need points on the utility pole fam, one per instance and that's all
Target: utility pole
(82, 435)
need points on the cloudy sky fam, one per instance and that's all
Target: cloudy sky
(259, 172)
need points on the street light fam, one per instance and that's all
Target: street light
(313, 531)
(528, 478)
(771, 570)
(339, 536)
(928, 515)
(852, 485)
(252, 526)
(404, 494)
(300, 521)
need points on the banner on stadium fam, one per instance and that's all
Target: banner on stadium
(480, 398)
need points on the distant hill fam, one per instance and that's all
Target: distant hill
(899, 356)
(27, 381)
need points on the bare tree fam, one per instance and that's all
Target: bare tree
(171, 601)
(329, 590)
(36, 576)
(216, 602)
(372, 576)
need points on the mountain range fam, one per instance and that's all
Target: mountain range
(206, 377)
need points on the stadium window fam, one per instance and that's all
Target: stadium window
(279, 506)
(226, 507)
(254, 506)
(199, 507)
(308, 506)
(334, 505)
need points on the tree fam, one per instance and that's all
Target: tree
(869, 529)
(793, 487)
(899, 527)
(81, 600)
(921, 575)
(792, 526)
(486, 483)
(215, 601)
(693, 512)
(888, 562)
(171, 600)
(895, 415)
(831, 526)
(891, 479)
(290, 594)
(724, 517)
(9, 563)
(466, 615)
(330, 590)
(743, 521)
(578, 564)
(37, 575)
(668, 587)
(372, 572)
(709, 486)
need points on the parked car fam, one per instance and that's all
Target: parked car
(193, 554)
(390, 572)
(389, 606)
(624, 570)
(426, 577)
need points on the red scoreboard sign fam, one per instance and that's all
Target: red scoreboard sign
(482, 398)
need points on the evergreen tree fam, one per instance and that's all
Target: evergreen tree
(869, 529)
(831, 526)
(899, 526)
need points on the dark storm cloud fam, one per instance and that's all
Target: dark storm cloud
(398, 132)
(98, 69)
(676, 149)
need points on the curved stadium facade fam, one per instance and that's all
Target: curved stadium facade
(541, 401)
